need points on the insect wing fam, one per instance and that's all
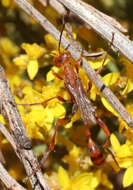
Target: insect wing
(86, 108)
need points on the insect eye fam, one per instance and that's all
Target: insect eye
(60, 60)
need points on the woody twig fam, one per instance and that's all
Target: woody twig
(101, 25)
(21, 142)
(108, 94)
(9, 182)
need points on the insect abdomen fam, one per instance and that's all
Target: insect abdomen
(95, 154)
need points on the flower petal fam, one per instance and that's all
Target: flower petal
(32, 68)
(128, 177)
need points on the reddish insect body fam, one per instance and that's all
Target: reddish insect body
(79, 98)
(88, 111)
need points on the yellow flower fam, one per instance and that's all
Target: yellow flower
(95, 64)
(21, 61)
(123, 124)
(32, 68)
(30, 61)
(54, 89)
(128, 88)
(124, 157)
(31, 96)
(15, 81)
(128, 67)
(84, 77)
(63, 177)
(5, 3)
(50, 76)
(16, 170)
(111, 78)
(34, 51)
(8, 47)
(41, 115)
(51, 42)
(94, 92)
(108, 106)
(103, 178)
(128, 177)
(83, 181)
(124, 153)
(76, 117)
(2, 120)
(34, 131)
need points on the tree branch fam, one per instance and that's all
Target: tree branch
(9, 182)
(55, 4)
(101, 26)
(21, 140)
(112, 99)
(8, 137)
(62, 11)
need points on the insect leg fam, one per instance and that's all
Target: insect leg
(105, 128)
(79, 60)
(100, 68)
(58, 76)
(106, 55)
(46, 101)
(50, 148)
(107, 143)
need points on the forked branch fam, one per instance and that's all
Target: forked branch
(103, 27)
(108, 94)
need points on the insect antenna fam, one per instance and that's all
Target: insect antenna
(64, 19)
(63, 27)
